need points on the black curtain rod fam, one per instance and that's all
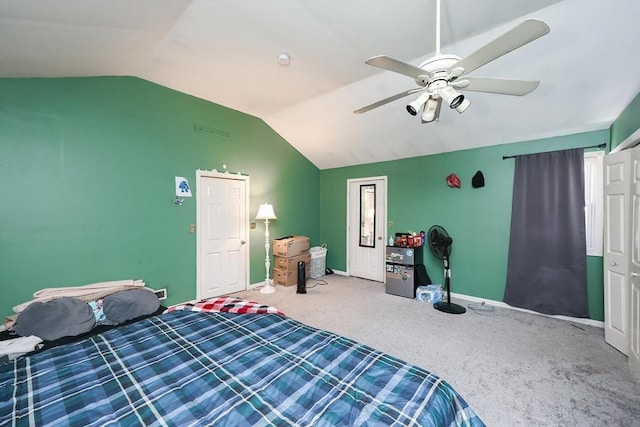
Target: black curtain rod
(603, 145)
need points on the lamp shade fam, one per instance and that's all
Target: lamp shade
(266, 212)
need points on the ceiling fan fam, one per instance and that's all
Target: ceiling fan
(441, 76)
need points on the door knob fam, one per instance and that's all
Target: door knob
(242, 242)
(635, 274)
(613, 263)
(379, 237)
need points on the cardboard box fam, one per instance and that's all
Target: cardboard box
(291, 263)
(290, 246)
(288, 278)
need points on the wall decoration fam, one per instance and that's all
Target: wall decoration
(453, 181)
(182, 187)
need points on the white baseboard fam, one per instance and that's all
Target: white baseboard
(257, 285)
(261, 283)
(501, 304)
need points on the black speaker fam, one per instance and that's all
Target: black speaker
(302, 278)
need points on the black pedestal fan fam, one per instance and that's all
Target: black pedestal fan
(440, 244)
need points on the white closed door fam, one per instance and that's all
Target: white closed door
(222, 234)
(616, 250)
(367, 218)
(634, 276)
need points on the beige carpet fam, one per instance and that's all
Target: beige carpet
(513, 368)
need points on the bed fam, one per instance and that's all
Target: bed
(229, 367)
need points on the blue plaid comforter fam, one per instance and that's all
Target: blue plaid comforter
(190, 368)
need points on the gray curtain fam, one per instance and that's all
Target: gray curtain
(547, 270)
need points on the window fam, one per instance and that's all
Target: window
(367, 215)
(593, 196)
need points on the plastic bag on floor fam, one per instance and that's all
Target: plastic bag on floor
(430, 293)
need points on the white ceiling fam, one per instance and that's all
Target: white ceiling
(226, 51)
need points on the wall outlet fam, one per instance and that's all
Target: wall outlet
(161, 293)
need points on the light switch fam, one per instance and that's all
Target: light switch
(192, 228)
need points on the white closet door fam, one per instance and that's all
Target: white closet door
(616, 249)
(634, 267)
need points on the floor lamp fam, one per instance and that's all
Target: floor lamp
(266, 212)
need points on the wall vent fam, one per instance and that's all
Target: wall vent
(161, 293)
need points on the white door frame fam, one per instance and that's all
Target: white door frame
(383, 213)
(218, 175)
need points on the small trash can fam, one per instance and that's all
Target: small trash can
(318, 261)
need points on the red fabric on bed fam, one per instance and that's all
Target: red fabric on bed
(227, 304)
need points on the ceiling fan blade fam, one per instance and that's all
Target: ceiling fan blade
(499, 86)
(518, 36)
(387, 100)
(391, 64)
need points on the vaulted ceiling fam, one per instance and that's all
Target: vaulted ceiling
(226, 51)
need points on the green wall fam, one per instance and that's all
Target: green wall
(87, 170)
(477, 219)
(627, 123)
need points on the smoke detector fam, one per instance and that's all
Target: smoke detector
(284, 59)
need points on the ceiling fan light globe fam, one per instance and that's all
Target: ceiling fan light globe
(430, 110)
(428, 118)
(463, 106)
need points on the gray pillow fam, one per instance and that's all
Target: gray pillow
(60, 317)
(126, 305)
